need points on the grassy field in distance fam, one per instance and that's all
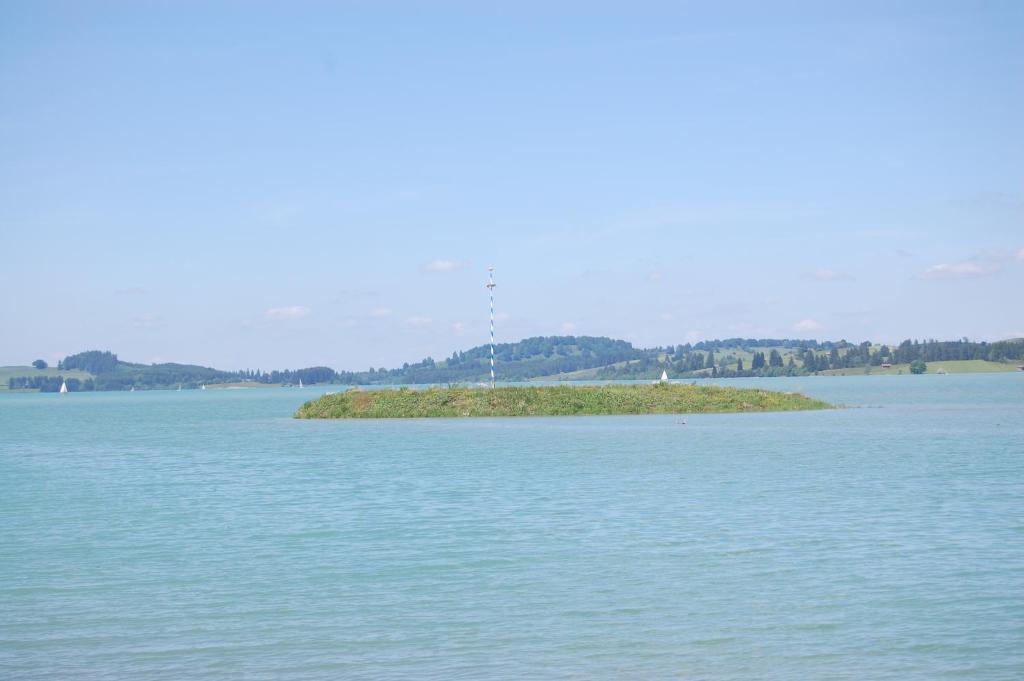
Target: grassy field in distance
(7, 373)
(580, 374)
(963, 366)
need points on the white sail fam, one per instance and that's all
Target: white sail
(203, 387)
(300, 382)
(63, 386)
(664, 376)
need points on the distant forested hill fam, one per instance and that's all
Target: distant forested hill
(529, 358)
(736, 357)
(111, 373)
(589, 357)
(557, 357)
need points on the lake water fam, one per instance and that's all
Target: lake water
(207, 535)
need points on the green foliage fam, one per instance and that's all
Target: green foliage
(918, 367)
(528, 358)
(784, 357)
(29, 378)
(49, 384)
(114, 374)
(40, 364)
(573, 357)
(309, 376)
(662, 398)
(93, 361)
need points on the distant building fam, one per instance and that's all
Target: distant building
(886, 365)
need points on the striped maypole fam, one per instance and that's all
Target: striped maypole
(490, 288)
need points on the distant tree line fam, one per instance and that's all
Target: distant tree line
(49, 384)
(805, 357)
(529, 358)
(937, 351)
(308, 376)
(548, 356)
(93, 361)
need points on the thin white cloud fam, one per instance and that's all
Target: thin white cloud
(445, 265)
(807, 325)
(825, 274)
(381, 312)
(419, 321)
(147, 321)
(961, 270)
(459, 328)
(289, 312)
(879, 233)
(348, 294)
(568, 327)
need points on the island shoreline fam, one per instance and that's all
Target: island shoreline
(561, 400)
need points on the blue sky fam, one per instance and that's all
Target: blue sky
(287, 184)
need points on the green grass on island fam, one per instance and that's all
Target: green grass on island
(552, 401)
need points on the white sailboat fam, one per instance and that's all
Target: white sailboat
(664, 377)
(63, 386)
(300, 382)
(179, 387)
(203, 387)
(132, 390)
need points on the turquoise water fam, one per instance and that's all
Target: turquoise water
(207, 535)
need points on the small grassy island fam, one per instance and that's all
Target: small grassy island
(661, 398)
